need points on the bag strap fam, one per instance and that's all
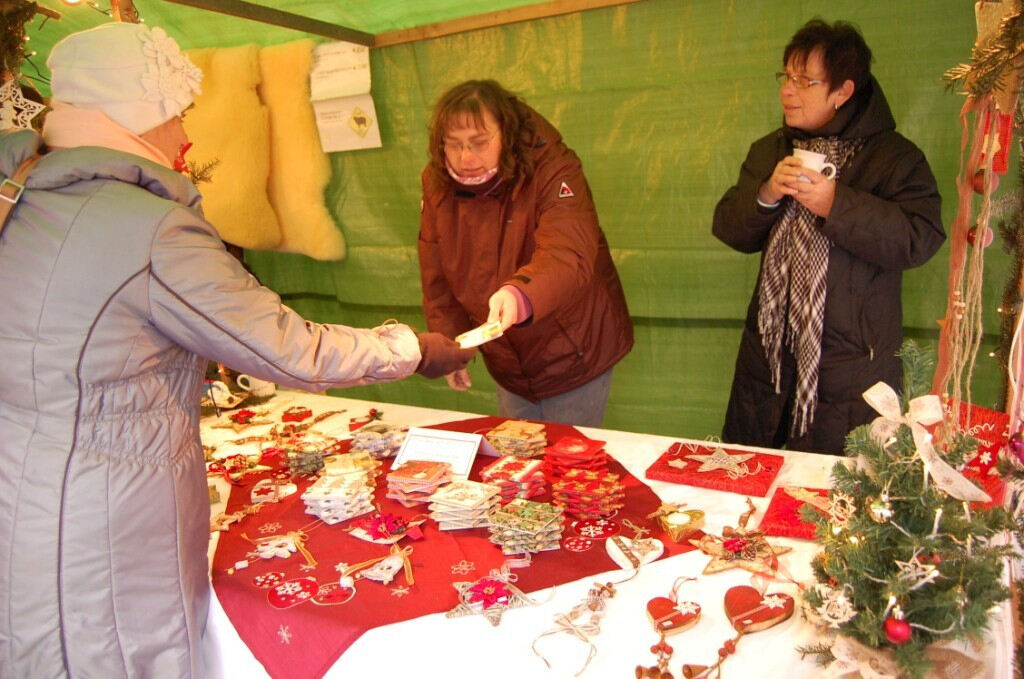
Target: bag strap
(12, 188)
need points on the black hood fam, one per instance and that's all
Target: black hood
(866, 114)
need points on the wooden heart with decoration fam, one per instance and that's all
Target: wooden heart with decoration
(751, 611)
(670, 617)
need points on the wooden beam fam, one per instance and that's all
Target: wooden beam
(276, 17)
(499, 18)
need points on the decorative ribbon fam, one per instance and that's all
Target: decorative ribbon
(215, 468)
(402, 552)
(868, 663)
(924, 410)
(665, 509)
(595, 605)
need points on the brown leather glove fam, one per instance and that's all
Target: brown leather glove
(441, 355)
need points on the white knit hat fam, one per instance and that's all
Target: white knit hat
(136, 75)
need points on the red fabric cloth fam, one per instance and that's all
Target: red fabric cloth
(992, 429)
(318, 634)
(718, 479)
(782, 518)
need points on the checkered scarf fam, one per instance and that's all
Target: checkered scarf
(791, 297)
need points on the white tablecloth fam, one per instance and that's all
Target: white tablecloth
(434, 646)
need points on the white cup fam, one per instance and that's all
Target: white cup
(816, 162)
(255, 386)
(218, 392)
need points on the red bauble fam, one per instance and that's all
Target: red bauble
(978, 182)
(972, 237)
(897, 630)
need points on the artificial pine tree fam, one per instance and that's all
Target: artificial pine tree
(904, 563)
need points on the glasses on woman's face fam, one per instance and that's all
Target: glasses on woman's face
(454, 149)
(801, 82)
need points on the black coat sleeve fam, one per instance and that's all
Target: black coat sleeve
(739, 221)
(895, 224)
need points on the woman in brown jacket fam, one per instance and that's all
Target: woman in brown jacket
(509, 233)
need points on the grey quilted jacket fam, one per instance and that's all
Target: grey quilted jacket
(112, 288)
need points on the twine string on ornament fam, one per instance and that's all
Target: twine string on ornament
(595, 604)
(639, 532)
(961, 332)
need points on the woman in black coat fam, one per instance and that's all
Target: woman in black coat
(825, 321)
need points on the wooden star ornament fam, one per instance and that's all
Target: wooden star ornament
(740, 548)
(732, 463)
(489, 596)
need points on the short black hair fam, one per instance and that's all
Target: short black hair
(844, 53)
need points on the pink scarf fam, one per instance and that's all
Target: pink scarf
(470, 181)
(67, 127)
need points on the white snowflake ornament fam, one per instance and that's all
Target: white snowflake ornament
(16, 112)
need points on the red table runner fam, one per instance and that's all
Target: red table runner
(303, 637)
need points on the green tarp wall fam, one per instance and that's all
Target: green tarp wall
(661, 100)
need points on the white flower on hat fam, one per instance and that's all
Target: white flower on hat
(170, 78)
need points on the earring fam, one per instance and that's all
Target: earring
(837, 107)
(668, 616)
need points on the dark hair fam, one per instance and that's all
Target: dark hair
(844, 53)
(472, 97)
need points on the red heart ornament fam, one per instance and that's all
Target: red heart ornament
(292, 592)
(669, 617)
(332, 594)
(751, 611)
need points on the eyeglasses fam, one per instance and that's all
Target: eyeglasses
(455, 149)
(801, 82)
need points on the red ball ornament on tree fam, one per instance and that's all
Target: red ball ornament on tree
(973, 238)
(897, 630)
(978, 182)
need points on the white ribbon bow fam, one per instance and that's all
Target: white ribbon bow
(924, 410)
(852, 656)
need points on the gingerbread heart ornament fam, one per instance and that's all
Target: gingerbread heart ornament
(751, 611)
(670, 617)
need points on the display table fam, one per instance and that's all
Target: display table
(436, 646)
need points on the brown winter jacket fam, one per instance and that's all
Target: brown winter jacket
(540, 234)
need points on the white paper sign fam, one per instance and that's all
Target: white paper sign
(347, 123)
(339, 87)
(456, 448)
(340, 69)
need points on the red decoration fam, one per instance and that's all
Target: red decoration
(675, 467)
(1000, 157)
(782, 518)
(972, 237)
(897, 630)
(180, 164)
(751, 611)
(489, 592)
(669, 617)
(296, 414)
(243, 416)
(978, 184)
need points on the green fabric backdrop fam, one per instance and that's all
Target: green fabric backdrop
(661, 100)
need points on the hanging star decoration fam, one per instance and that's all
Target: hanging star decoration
(740, 548)
(16, 112)
(489, 596)
(733, 465)
(915, 573)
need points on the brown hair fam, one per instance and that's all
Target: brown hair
(472, 97)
